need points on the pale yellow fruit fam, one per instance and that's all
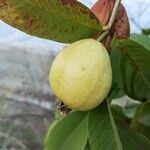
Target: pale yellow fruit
(81, 74)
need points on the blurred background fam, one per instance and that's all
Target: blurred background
(26, 100)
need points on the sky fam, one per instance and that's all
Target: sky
(137, 9)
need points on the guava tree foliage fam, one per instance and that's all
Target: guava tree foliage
(110, 125)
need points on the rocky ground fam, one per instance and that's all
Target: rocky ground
(26, 100)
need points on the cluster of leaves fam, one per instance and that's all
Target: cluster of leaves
(146, 31)
(105, 127)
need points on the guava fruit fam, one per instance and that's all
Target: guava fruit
(81, 74)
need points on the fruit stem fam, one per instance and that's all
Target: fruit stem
(114, 13)
(103, 35)
(107, 28)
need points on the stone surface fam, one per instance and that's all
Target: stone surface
(26, 100)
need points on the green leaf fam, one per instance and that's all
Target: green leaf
(146, 31)
(60, 20)
(94, 130)
(103, 133)
(130, 139)
(144, 40)
(70, 133)
(131, 68)
(115, 92)
(141, 120)
(118, 113)
(87, 147)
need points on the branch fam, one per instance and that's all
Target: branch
(111, 21)
(114, 13)
(103, 35)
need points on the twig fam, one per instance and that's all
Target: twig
(103, 35)
(114, 13)
(111, 21)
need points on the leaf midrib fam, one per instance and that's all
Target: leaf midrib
(131, 139)
(114, 128)
(134, 62)
(140, 70)
(61, 16)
